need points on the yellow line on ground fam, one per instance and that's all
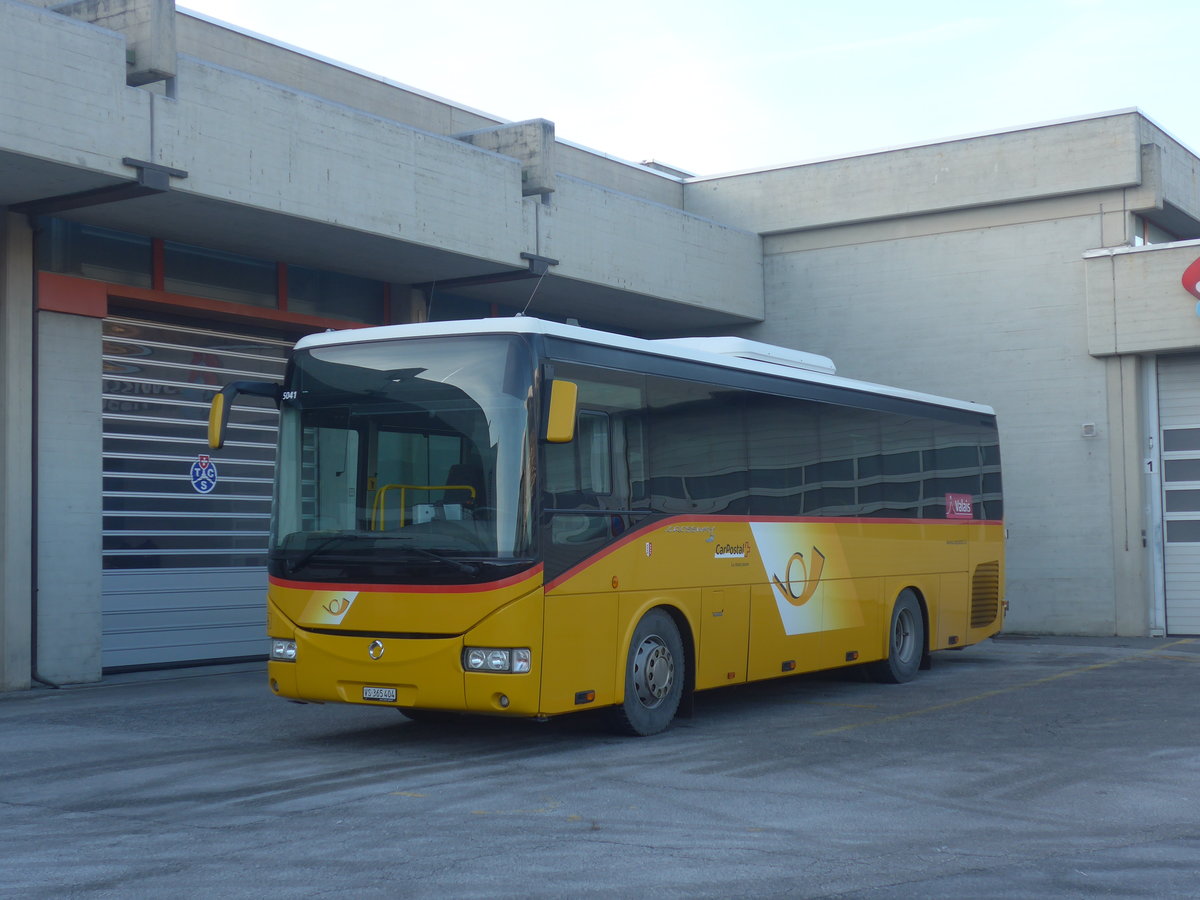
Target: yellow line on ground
(1069, 673)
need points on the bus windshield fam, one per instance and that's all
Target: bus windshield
(406, 462)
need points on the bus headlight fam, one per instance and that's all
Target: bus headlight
(496, 659)
(283, 650)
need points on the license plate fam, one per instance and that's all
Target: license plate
(387, 695)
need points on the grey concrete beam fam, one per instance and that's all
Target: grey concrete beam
(1136, 301)
(64, 101)
(1039, 162)
(148, 27)
(16, 451)
(531, 142)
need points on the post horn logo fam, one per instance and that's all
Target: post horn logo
(337, 607)
(810, 577)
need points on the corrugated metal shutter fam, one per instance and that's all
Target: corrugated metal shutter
(1179, 419)
(184, 576)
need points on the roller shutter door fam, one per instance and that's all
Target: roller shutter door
(1179, 419)
(184, 537)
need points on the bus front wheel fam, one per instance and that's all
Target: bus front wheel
(906, 642)
(654, 676)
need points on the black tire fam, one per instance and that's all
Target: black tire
(906, 642)
(654, 676)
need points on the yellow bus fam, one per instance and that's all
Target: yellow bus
(516, 517)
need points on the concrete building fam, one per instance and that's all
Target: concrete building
(179, 200)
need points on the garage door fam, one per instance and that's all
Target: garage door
(184, 535)
(1179, 419)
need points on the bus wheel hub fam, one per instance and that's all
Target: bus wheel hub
(654, 671)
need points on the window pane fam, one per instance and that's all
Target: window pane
(1186, 532)
(1183, 501)
(219, 275)
(1181, 469)
(595, 471)
(334, 295)
(697, 447)
(952, 458)
(834, 470)
(71, 248)
(1181, 439)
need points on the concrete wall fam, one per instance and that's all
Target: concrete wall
(267, 60)
(63, 95)
(16, 450)
(1136, 302)
(617, 175)
(1048, 161)
(610, 238)
(258, 144)
(1179, 178)
(70, 508)
(148, 27)
(273, 62)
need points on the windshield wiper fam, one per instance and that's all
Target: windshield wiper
(457, 564)
(297, 565)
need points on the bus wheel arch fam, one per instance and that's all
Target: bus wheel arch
(907, 640)
(686, 701)
(656, 673)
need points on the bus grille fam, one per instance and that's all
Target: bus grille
(985, 594)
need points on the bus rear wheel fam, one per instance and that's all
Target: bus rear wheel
(906, 642)
(654, 676)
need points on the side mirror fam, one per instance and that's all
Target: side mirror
(218, 413)
(560, 417)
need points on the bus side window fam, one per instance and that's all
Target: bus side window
(593, 436)
(582, 468)
(559, 476)
(635, 461)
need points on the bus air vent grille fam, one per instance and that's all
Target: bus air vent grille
(985, 594)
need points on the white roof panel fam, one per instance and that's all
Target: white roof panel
(767, 359)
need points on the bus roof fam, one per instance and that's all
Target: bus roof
(721, 352)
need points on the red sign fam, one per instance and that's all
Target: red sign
(959, 506)
(1191, 279)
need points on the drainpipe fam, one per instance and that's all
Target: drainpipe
(34, 674)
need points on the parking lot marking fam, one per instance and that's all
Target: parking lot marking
(986, 695)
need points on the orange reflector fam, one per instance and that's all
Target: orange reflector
(789, 665)
(615, 583)
(585, 697)
(851, 655)
(953, 639)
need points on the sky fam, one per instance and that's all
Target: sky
(711, 87)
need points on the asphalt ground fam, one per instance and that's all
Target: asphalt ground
(1024, 767)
